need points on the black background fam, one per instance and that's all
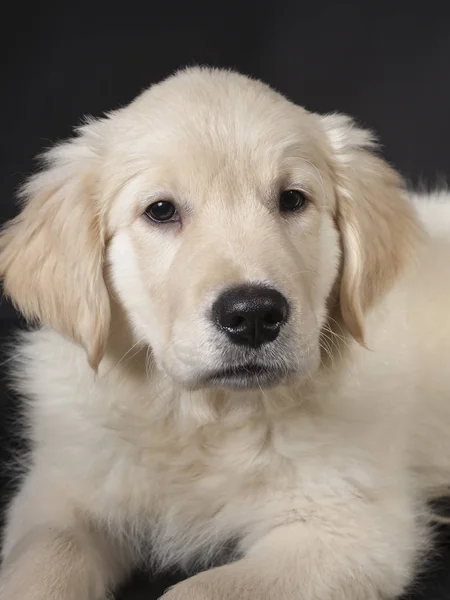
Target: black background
(387, 64)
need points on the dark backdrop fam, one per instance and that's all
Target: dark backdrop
(387, 64)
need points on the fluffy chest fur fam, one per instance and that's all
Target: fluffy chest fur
(176, 474)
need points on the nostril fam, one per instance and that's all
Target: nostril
(236, 322)
(273, 318)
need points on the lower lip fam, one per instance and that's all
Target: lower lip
(246, 379)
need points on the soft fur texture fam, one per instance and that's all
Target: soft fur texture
(318, 484)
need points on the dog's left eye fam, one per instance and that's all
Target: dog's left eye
(292, 201)
(161, 211)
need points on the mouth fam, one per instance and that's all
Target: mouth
(249, 375)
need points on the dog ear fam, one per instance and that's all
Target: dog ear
(377, 223)
(51, 254)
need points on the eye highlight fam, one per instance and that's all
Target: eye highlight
(292, 201)
(162, 211)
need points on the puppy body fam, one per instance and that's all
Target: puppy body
(319, 482)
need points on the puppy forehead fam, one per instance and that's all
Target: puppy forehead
(204, 135)
(208, 119)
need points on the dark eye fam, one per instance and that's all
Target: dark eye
(292, 201)
(161, 211)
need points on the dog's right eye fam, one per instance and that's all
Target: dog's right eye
(162, 211)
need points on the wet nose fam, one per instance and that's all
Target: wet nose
(251, 315)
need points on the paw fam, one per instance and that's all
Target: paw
(187, 591)
(218, 584)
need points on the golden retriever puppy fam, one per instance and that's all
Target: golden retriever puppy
(244, 344)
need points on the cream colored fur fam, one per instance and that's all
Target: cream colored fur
(321, 481)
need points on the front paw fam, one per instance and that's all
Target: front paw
(218, 584)
(187, 591)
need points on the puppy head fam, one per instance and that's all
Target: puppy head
(223, 218)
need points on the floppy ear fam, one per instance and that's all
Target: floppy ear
(51, 254)
(377, 223)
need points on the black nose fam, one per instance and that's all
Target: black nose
(251, 315)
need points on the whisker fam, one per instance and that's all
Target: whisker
(126, 355)
(303, 272)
